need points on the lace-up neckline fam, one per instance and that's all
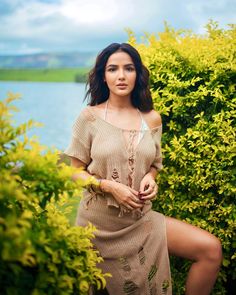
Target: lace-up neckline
(143, 125)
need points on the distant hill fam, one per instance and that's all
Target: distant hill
(48, 60)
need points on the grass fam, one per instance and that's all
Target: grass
(44, 75)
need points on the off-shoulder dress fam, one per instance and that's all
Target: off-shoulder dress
(132, 244)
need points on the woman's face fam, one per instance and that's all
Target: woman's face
(120, 74)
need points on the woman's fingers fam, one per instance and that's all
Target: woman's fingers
(134, 199)
(150, 193)
(132, 202)
(142, 187)
(149, 197)
(134, 192)
(136, 205)
(148, 188)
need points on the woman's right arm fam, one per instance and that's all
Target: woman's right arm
(123, 194)
(79, 164)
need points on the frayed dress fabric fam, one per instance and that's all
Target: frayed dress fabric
(132, 244)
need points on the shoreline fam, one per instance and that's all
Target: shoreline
(44, 74)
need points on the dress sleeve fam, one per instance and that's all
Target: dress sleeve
(80, 143)
(157, 163)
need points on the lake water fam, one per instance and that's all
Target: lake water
(56, 105)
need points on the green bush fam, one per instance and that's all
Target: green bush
(192, 79)
(40, 251)
(81, 77)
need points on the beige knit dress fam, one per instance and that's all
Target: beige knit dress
(133, 244)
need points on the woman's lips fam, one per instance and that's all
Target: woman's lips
(122, 86)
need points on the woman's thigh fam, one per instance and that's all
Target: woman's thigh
(191, 242)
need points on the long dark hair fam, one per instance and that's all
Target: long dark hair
(98, 91)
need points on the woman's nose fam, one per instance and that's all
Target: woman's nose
(121, 74)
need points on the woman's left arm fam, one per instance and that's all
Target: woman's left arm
(148, 186)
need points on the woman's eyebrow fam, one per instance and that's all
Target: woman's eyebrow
(127, 65)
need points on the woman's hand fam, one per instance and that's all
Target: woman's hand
(148, 188)
(124, 195)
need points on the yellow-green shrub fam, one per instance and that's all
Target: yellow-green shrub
(40, 251)
(193, 86)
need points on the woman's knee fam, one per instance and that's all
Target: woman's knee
(193, 243)
(213, 250)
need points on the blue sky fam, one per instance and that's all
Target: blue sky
(32, 26)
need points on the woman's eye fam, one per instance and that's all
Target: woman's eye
(130, 69)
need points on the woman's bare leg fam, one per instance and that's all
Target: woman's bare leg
(203, 248)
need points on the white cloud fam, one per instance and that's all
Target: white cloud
(24, 21)
(78, 24)
(90, 12)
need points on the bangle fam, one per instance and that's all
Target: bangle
(99, 183)
(96, 184)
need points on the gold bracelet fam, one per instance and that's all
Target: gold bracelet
(96, 185)
(100, 183)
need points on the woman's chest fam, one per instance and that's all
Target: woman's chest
(125, 144)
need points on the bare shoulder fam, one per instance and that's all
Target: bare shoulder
(153, 118)
(90, 112)
(97, 109)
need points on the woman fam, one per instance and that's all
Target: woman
(116, 139)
